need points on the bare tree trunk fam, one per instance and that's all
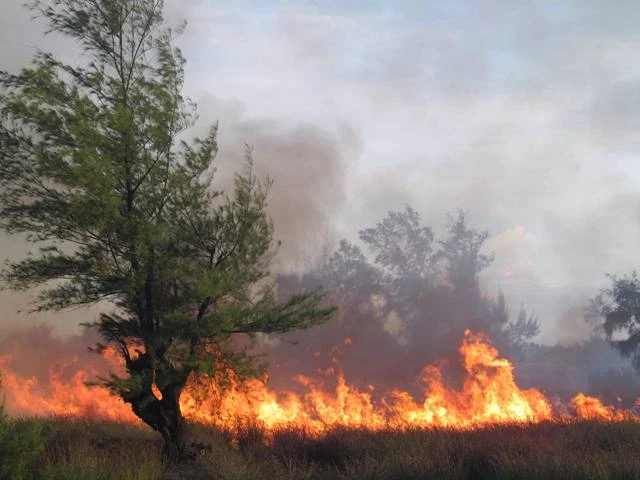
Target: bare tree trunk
(174, 448)
(173, 435)
(164, 416)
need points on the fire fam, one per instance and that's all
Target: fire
(488, 395)
(61, 397)
(591, 408)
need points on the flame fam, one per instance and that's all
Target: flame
(591, 408)
(60, 397)
(488, 395)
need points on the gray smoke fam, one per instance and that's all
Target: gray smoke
(309, 167)
(522, 113)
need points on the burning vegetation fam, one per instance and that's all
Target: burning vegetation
(413, 301)
(489, 395)
(391, 334)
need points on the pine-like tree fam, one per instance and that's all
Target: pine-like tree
(92, 171)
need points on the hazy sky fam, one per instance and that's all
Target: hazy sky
(524, 114)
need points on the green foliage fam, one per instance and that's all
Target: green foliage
(93, 171)
(21, 444)
(617, 311)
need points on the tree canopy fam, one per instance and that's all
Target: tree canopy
(409, 291)
(616, 310)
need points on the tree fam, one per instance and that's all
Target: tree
(431, 285)
(460, 253)
(92, 171)
(524, 328)
(617, 311)
(349, 274)
(401, 245)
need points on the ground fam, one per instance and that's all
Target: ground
(74, 449)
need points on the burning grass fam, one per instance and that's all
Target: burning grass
(75, 449)
(488, 395)
(486, 428)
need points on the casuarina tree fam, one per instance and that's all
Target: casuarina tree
(93, 171)
(616, 310)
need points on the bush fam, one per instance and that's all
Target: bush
(21, 443)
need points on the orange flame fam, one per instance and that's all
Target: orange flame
(591, 408)
(489, 394)
(58, 397)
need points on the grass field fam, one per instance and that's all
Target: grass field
(72, 449)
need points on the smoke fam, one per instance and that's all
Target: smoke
(32, 351)
(16, 32)
(572, 327)
(529, 120)
(309, 166)
(524, 115)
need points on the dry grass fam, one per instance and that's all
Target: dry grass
(584, 450)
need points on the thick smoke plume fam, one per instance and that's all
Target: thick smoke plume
(309, 167)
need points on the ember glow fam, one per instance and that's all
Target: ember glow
(488, 395)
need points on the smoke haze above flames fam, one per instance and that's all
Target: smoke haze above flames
(524, 114)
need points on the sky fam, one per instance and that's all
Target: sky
(524, 114)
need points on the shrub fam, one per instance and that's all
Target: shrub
(21, 443)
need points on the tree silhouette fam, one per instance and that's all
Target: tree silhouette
(617, 311)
